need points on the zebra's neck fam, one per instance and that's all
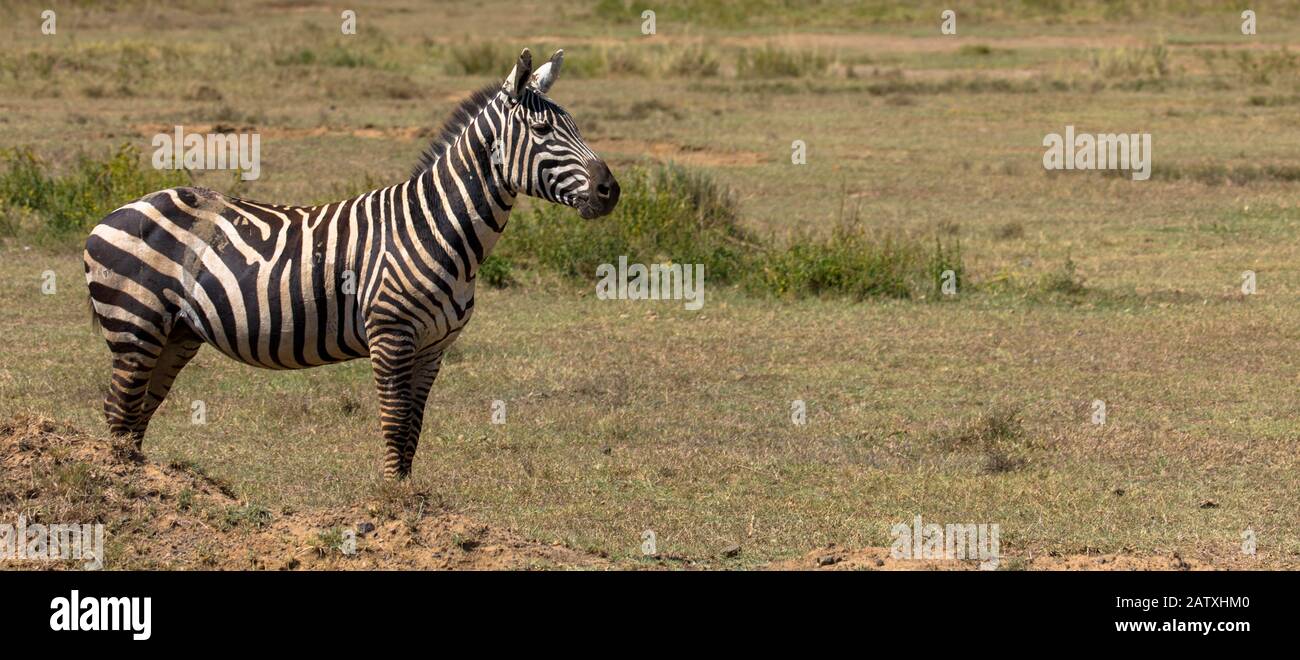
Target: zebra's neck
(464, 200)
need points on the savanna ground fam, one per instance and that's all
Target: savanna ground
(628, 416)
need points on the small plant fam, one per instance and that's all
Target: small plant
(496, 271)
(253, 515)
(1064, 280)
(77, 481)
(1000, 437)
(774, 62)
(328, 541)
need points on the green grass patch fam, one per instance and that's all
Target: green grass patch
(774, 62)
(853, 262)
(251, 515)
(36, 201)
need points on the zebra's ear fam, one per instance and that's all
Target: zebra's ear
(518, 78)
(545, 75)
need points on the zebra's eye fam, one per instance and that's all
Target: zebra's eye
(542, 128)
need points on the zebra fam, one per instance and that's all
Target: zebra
(388, 275)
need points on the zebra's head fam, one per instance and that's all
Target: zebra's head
(540, 150)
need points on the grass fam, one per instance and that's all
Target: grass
(251, 515)
(999, 436)
(773, 62)
(1144, 63)
(66, 206)
(479, 58)
(329, 541)
(855, 263)
(627, 416)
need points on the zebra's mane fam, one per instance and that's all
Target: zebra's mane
(461, 117)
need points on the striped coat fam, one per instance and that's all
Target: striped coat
(388, 275)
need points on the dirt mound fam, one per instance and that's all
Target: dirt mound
(175, 517)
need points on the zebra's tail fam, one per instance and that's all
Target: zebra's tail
(94, 316)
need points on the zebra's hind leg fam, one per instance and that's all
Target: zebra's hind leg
(124, 405)
(181, 347)
(423, 381)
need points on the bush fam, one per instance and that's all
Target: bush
(665, 213)
(855, 264)
(71, 204)
(496, 271)
(671, 214)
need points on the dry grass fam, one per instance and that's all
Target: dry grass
(627, 417)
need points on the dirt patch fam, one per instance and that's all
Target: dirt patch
(175, 517)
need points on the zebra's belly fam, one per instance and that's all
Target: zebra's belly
(289, 332)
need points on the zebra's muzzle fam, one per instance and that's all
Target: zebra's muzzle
(602, 191)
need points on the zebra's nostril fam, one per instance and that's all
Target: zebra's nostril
(602, 190)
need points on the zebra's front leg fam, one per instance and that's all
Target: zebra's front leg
(393, 358)
(422, 382)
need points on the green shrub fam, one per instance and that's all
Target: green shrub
(773, 62)
(496, 271)
(669, 213)
(852, 262)
(71, 204)
(1065, 280)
